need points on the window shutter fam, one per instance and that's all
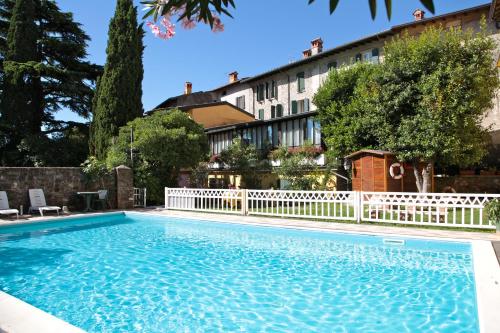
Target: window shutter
(267, 90)
(273, 111)
(276, 90)
(279, 110)
(300, 82)
(261, 114)
(306, 105)
(294, 107)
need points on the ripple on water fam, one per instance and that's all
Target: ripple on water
(158, 275)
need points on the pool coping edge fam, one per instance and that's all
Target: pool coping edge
(21, 317)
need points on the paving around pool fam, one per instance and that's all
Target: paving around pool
(165, 271)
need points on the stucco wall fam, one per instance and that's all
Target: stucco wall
(317, 71)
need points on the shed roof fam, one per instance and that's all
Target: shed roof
(370, 152)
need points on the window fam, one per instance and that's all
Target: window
(261, 114)
(375, 56)
(279, 111)
(260, 92)
(332, 65)
(317, 133)
(358, 57)
(371, 56)
(301, 106)
(267, 91)
(240, 102)
(274, 89)
(273, 111)
(294, 107)
(301, 82)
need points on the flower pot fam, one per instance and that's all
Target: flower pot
(487, 172)
(467, 172)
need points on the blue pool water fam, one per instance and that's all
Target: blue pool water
(142, 273)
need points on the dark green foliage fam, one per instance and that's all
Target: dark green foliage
(425, 102)
(59, 76)
(18, 111)
(66, 147)
(119, 90)
(164, 143)
(247, 161)
(298, 168)
(344, 100)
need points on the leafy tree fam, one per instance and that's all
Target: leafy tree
(59, 75)
(119, 91)
(163, 144)
(298, 167)
(425, 102)
(68, 147)
(343, 101)
(434, 91)
(246, 160)
(19, 104)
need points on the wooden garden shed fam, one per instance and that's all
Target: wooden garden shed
(379, 171)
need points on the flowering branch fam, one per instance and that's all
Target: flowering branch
(189, 13)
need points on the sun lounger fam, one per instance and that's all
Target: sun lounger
(4, 205)
(38, 203)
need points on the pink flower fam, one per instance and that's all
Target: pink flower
(188, 23)
(218, 26)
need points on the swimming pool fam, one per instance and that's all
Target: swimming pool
(145, 273)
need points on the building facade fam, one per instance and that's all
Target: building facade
(280, 101)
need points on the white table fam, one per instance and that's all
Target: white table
(88, 199)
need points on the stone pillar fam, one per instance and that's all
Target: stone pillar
(124, 187)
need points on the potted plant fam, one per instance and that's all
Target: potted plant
(493, 212)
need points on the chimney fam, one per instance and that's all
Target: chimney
(306, 53)
(188, 88)
(316, 46)
(419, 14)
(233, 77)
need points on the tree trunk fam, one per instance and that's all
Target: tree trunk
(423, 180)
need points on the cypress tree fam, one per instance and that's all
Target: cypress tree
(119, 92)
(19, 104)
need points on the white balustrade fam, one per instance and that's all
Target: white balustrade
(427, 209)
(207, 200)
(437, 209)
(303, 204)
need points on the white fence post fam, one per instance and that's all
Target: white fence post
(166, 197)
(244, 202)
(359, 206)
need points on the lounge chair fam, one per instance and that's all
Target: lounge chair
(38, 203)
(4, 205)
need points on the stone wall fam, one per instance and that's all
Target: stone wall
(469, 184)
(61, 184)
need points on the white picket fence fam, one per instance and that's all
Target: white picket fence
(433, 209)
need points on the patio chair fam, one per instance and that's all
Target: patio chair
(102, 199)
(4, 205)
(38, 203)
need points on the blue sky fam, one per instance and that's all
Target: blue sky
(262, 35)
